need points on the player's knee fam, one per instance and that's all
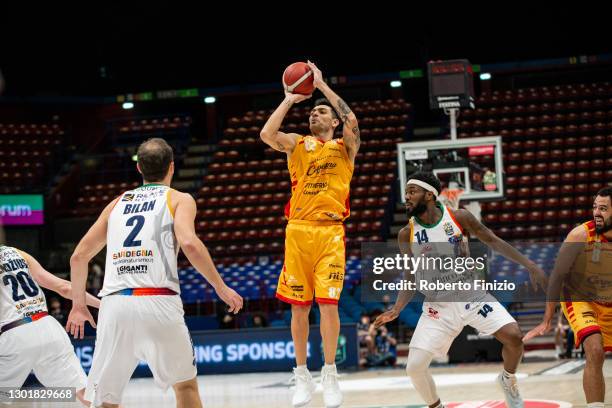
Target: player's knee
(414, 367)
(80, 394)
(300, 311)
(594, 352)
(512, 336)
(515, 339)
(186, 387)
(328, 309)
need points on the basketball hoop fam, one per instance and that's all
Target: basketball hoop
(450, 197)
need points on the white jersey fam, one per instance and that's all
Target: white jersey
(141, 246)
(446, 312)
(20, 295)
(443, 241)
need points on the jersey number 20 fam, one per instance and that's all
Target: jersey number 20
(23, 280)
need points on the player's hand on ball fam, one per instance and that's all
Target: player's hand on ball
(233, 299)
(76, 321)
(317, 75)
(540, 330)
(385, 317)
(296, 98)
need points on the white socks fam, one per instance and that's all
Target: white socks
(329, 366)
(508, 375)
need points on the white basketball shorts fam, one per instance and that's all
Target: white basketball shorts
(139, 328)
(41, 346)
(441, 322)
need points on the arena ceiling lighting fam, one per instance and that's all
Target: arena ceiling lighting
(396, 84)
(210, 99)
(127, 105)
(485, 76)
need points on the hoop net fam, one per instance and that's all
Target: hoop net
(450, 197)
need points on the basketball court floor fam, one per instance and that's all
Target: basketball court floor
(546, 384)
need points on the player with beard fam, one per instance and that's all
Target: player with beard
(583, 273)
(432, 223)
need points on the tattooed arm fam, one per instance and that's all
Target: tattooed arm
(283, 142)
(350, 128)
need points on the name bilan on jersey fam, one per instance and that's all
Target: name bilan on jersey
(141, 245)
(20, 295)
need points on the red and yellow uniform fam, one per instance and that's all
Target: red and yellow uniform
(590, 278)
(314, 244)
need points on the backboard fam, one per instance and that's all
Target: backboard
(473, 164)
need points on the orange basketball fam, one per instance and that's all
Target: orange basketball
(298, 79)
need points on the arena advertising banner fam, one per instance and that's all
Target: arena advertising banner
(21, 209)
(249, 350)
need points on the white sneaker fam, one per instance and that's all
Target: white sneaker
(304, 387)
(331, 390)
(511, 391)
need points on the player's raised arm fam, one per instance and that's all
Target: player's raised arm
(484, 234)
(270, 133)
(197, 253)
(350, 128)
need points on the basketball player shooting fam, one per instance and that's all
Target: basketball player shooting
(321, 169)
(141, 313)
(441, 322)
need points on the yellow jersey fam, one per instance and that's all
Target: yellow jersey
(590, 277)
(320, 180)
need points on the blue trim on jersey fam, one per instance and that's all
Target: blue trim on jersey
(21, 322)
(124, 292)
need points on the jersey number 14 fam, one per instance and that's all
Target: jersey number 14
(421, 236)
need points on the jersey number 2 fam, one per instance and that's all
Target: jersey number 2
(25, 281)
(130, 241)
